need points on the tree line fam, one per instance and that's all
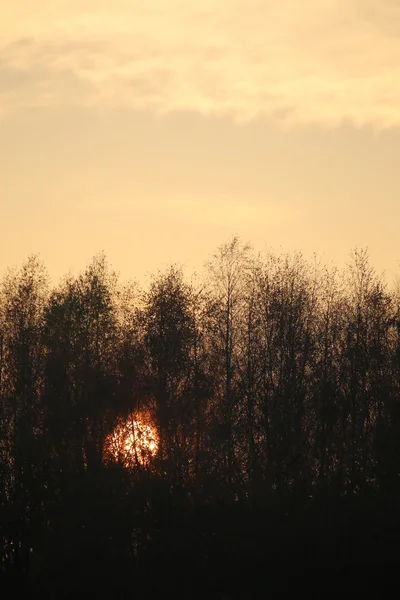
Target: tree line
(271, 382)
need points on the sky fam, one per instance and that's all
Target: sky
(156, 130)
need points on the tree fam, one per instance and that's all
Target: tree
(24, 295)
(170, 337)
(80, 338)
(226, 322)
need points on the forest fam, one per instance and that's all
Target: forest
(231, 434)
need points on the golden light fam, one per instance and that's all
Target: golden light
(132, 442)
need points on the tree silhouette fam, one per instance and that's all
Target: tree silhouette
(204, 437)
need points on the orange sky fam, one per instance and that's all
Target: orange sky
(156, 130)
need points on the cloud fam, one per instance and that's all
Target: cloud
(295, 61)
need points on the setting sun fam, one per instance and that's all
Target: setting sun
(133, 441)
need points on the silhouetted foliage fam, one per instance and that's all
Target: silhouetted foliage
(212, 438)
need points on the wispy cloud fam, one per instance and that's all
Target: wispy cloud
(294, 61)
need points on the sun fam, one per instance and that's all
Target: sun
(133, 441)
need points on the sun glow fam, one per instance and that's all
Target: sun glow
(133, 441)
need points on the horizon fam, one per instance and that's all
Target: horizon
(190, 270)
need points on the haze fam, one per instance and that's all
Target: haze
(156, 130)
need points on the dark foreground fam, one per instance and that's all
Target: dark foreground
(272, 391)
(339, 547)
